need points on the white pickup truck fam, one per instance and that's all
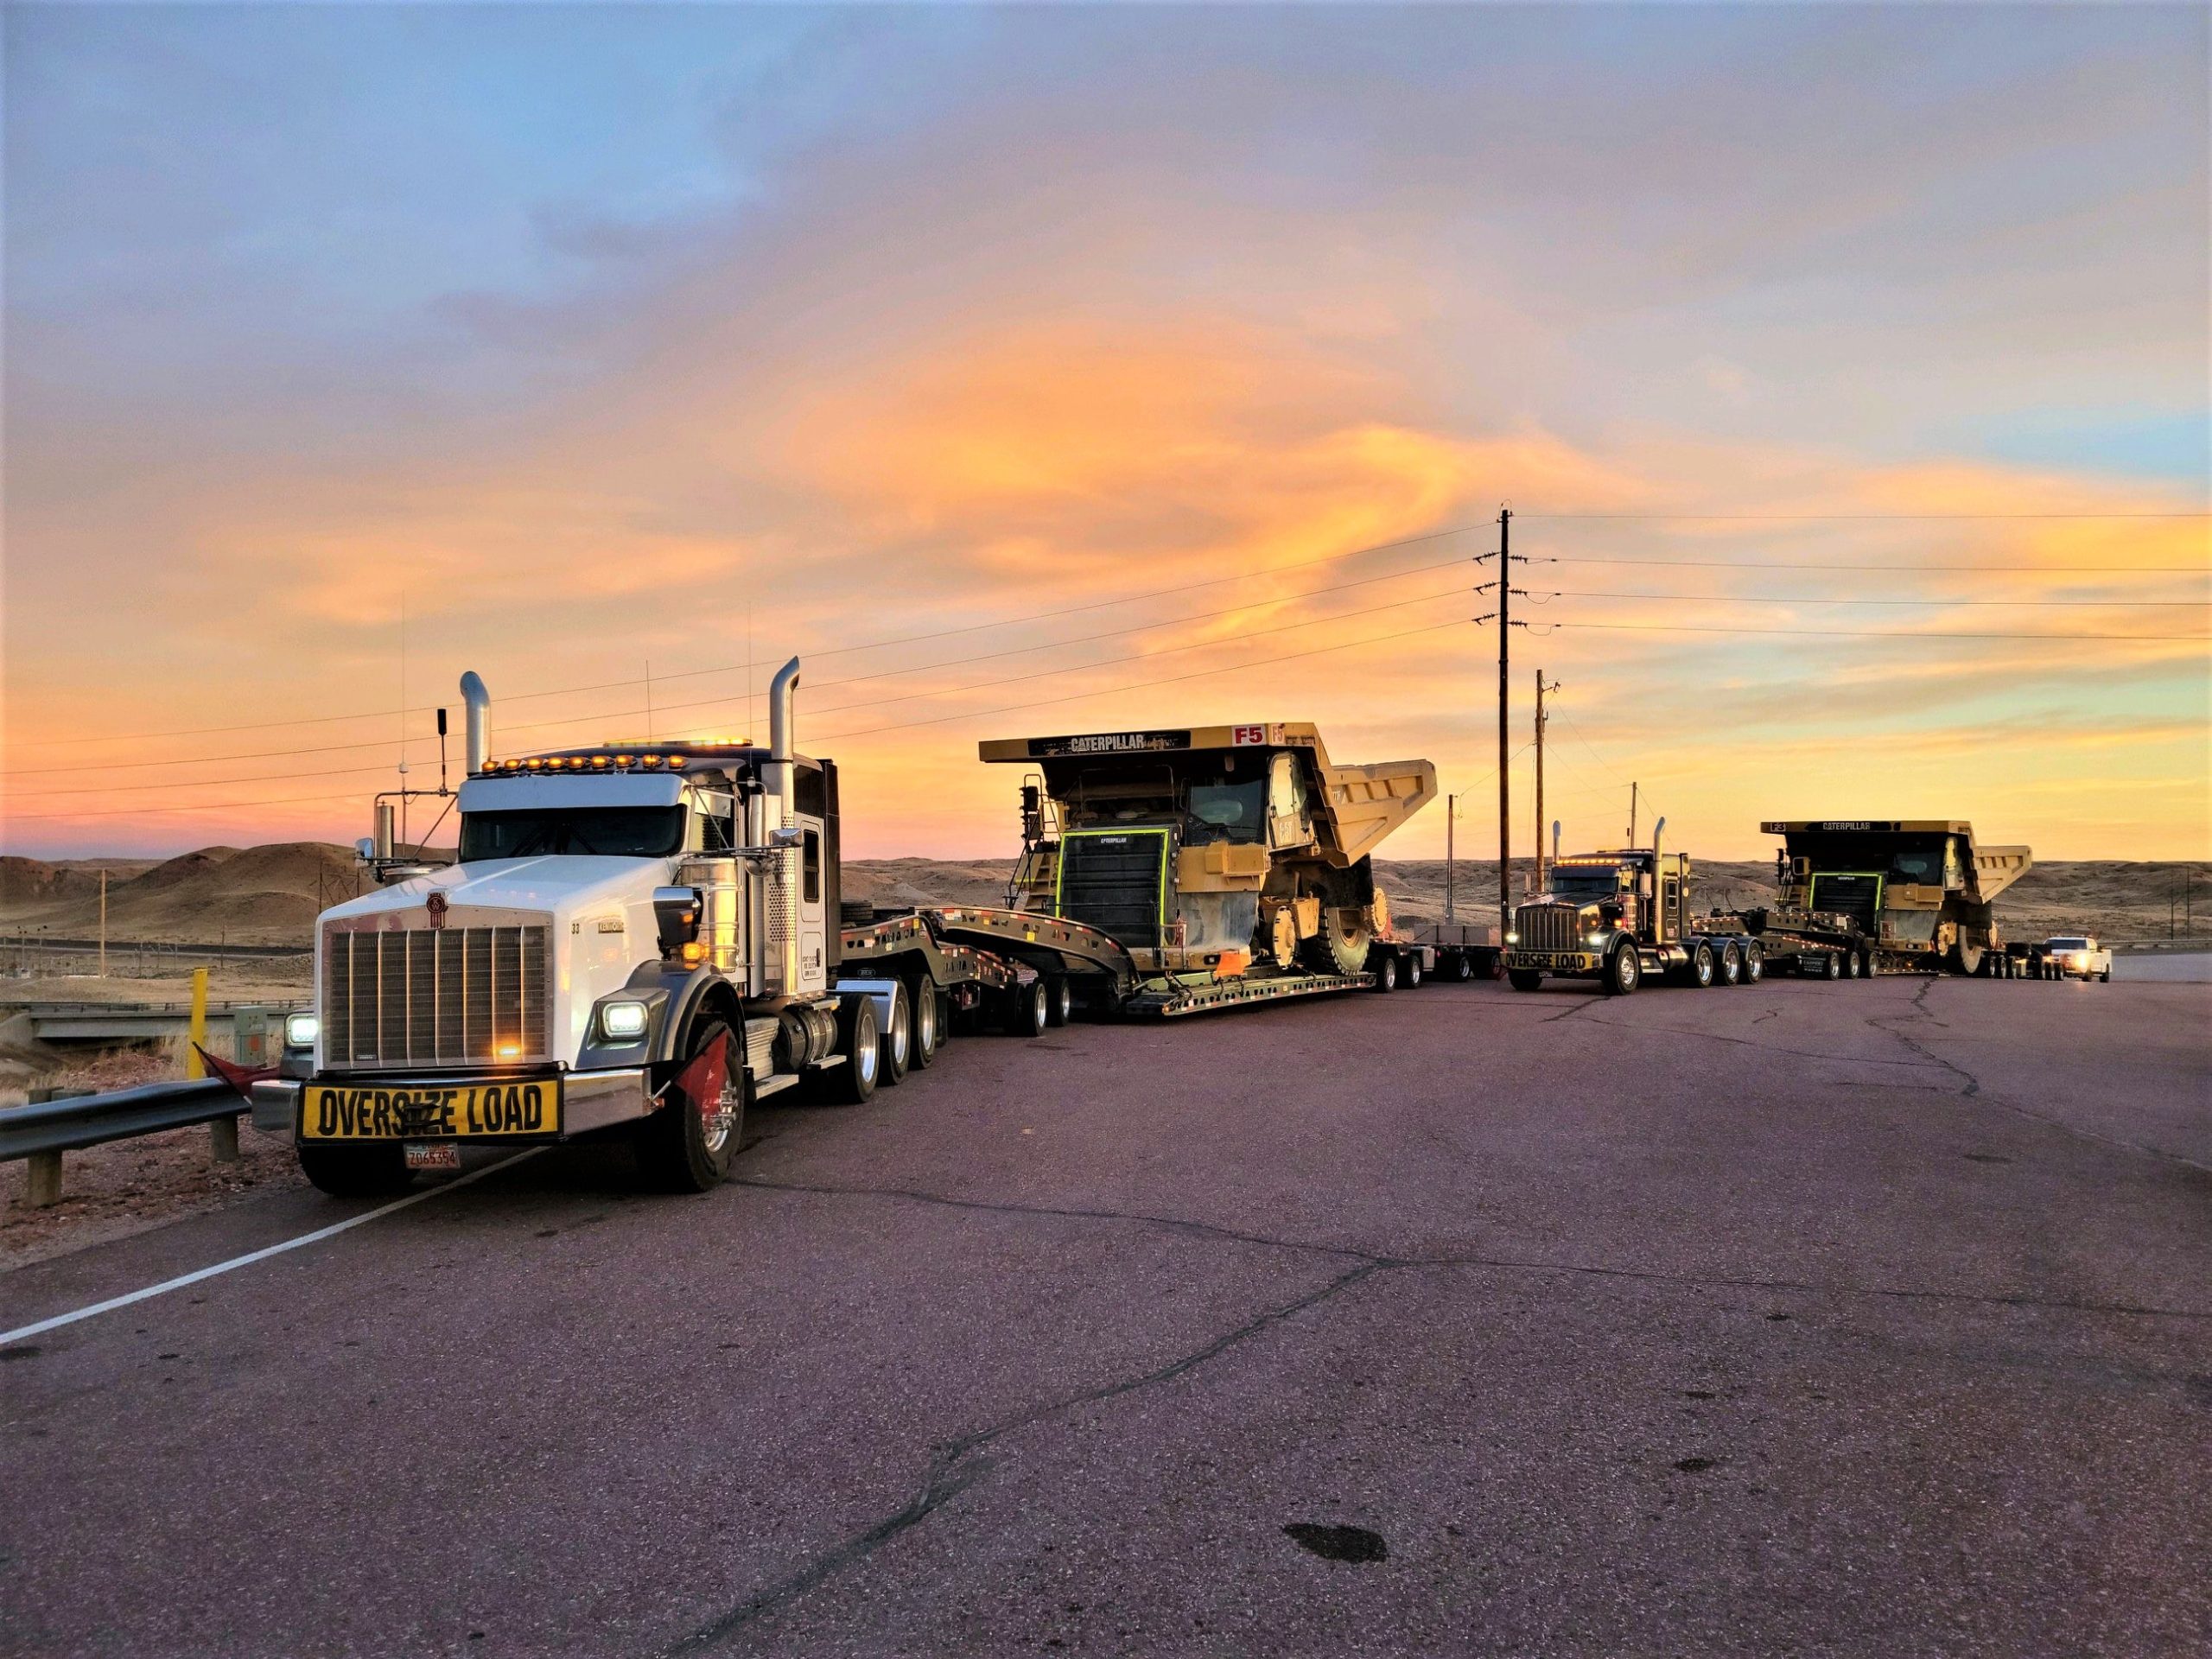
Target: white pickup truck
(2074, 956)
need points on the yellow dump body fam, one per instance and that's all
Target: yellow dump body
(1356, 807)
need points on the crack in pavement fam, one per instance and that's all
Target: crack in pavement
(1920, 1010)
(954, 1467)
(1928, 1061)
(950, 1472)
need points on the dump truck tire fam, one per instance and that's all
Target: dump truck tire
(1339, 948)
(1965, 959)
(1523, 979)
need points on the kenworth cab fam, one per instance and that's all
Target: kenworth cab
(1620, 917)
(641, 935)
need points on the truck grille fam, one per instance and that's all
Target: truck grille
(1546, 927)
(436, 996)
(1112, 883)
(1858, 897)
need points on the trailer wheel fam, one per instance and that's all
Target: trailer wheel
(862, 1039)
(1060, 1001)
(1831, 965)
(682, 1149)
(1700, 969)
(1385, 969)
(1731, 965)
(1459, 966)
(898, 1039)
(1025, 1011)
(928, 1009)
(1624, 972)
(1524, 979)
(373, 1170)
(1413, 970)
(1851, 964)
(1754, 962)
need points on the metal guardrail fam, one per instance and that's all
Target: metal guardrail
(119, 947)
(40, 1131)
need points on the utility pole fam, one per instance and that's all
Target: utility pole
(1632, 815)
(1504, 754)
(103, 924)
(1540, 689)
(1450, 865)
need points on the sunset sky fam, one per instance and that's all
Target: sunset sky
(1030, 371)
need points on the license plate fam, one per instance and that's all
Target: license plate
(477, 1109)
(433, 1154)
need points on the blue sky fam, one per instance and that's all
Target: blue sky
(518, 312)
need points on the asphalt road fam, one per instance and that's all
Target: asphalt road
(1873, 1318)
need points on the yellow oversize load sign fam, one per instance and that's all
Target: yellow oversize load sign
(430, 1111)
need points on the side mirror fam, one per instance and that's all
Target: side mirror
(365, 850)
(792, 836)
(676, 917)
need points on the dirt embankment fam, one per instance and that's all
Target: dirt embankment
(271, 895)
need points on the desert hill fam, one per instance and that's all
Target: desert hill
(271, 895)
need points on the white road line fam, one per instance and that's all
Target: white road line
(252, 1256)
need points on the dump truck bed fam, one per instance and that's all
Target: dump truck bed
(1355, 807)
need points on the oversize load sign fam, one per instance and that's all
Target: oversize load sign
(1110, 743)
(429, 1111)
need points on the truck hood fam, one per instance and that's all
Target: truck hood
(563, 885)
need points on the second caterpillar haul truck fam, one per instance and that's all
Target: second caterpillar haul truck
(1232, 863)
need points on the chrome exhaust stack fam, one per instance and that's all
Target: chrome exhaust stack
(783, 894)
(479, 702)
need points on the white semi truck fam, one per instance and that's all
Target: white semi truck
(635, 938)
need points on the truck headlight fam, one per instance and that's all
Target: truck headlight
(624, 1021)
(1597, 938)
(300, 1030)
(1513, 939)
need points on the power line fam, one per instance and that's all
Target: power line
(1810, 599)
(1871, 633)
(827, 651)
(1898, 569)
(836, 709)
(972, 714)
(1853, 518)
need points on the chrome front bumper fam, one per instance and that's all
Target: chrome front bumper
(589, 1101)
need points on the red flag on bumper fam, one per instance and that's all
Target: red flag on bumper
(702, 1081)
(240, 1078)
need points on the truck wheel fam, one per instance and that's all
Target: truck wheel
(861, 1036)
(1831, 965)
(898, 1039)
(1524, 979)
(682, 1149)
(1060, 1001)
(1340, 947)
(1624, 972)
(1413, 970)
(374, 1171)
(928, 1009)
(1701, 969)
(1386, 971)
(2105, 978)
(1732, 966)
(1025, 1011)
(1754, 963)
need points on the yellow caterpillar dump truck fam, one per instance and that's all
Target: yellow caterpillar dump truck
(1236, 855)
(1917, 894)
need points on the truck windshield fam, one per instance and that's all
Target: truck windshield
(1233, 811)
(1585, 881)
(2067, 944)
(609, 831)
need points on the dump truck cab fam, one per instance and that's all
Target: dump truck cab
(1211, 848)
(1920, 890)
